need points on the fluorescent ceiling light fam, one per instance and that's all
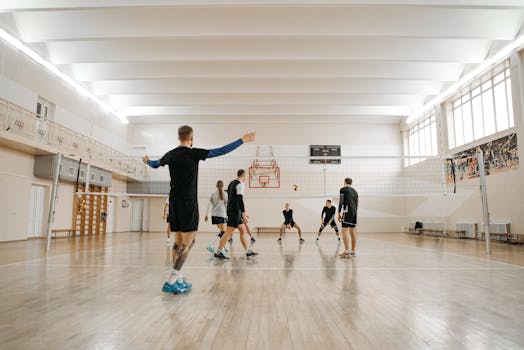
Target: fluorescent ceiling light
(484, 66)
(79, 88)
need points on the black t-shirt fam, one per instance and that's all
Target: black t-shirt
(288, 216)
(235, 201)
(183, 169)
(329, 213)
(348, 200)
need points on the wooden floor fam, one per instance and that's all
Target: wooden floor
(401, 292)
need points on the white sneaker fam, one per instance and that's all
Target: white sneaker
(317, 240)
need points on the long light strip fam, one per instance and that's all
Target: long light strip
(483, 67)
(79, 88)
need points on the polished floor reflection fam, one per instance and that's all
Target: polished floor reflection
(400, 292)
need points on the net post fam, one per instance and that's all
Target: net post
(88, 174)
(51, 217)
(484, 198)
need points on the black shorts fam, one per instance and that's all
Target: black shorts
(349, 220)
(234, 219)
(333, 223)
(292, 224)
(183, 215)
(216, 220)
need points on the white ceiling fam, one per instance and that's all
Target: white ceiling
(264, 60)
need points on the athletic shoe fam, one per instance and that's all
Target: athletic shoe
(353, 253)
(301, 240)
(250, 253)
(345, 255)
(211, 249)
(185, 283)
(279, 240)
(253, 240)
(175, 288)
(230, 240)
(221, 255)
(317, 240)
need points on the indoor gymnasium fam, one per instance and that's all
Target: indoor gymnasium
(261, 174)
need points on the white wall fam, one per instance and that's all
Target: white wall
(359, 139)
(22, 81)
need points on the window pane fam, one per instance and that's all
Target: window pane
(486, 85)
(459, 131)
(427, 140)
(468, 125)
(476, 92)
(498, 78)
(478, 124)
(434, 143)
(501, 108)
(489, 116)
(451, 130)
(510, 103)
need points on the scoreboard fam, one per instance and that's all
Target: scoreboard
(324, 154)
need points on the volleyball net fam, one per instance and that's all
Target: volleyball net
(296, 176)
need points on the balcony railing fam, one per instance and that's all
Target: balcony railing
(28, 127)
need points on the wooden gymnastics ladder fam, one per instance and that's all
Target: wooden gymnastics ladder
(88, 210)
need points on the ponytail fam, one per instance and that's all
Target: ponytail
(220, 186)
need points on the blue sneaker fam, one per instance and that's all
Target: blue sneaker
(185, 283)
(175, 288)
(211, 249)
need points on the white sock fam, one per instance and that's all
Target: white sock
(173, 276)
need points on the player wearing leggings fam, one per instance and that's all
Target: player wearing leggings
(289, 223)
(183, 204)
(327, 217)
(347, 214)
(166, 217)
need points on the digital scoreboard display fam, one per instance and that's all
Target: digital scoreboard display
(324, 154)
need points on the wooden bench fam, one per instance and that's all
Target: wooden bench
(506, 236)
(515, 238)
(439, 233)
(268, 230)
(69, 231)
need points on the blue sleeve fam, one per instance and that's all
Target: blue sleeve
(153, 163)
(225, 149)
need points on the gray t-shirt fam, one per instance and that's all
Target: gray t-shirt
(217, 205)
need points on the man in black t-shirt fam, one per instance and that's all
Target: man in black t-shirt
(236, 216)
(347, 214)
(289, 223)
(183, 205)
(327, 217)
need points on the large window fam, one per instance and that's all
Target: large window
(483, 109)
(422, 139)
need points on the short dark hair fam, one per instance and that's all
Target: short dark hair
(240, 172)
(348, 180)
(184, 132)
(328, 200)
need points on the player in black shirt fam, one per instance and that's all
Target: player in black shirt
(289, 223)
(347, 214)
(327, 217)
(183, 205)
(236, 216)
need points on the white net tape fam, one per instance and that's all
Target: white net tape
(296, 177)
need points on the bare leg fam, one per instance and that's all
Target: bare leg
(181, 251)
(282, 228)
(299, 230)
(242, 230)
(346, 239)
(188, 240)
(178, 242)
(353, 233)
(225, 237)
(168, 230)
